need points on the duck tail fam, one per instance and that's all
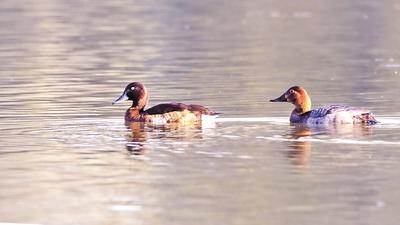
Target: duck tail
(367, 118)
(212, 113)
(202, 110)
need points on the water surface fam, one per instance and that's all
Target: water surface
(67, 157)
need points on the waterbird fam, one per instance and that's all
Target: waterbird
(163, 113)
(329, 114)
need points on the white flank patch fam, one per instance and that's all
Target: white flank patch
(208, 121)
(159, 121)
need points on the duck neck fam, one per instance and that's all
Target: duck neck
(136, 109)
(140, 103)
(303, 105)
(297, 113)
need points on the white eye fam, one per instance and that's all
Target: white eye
(132, 88)
(291, 91)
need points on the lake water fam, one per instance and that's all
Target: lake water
(66, 156)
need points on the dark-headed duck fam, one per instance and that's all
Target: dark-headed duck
(330, 114)
(159, 114)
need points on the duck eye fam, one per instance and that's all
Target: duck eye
(132, 88)
(291, 91)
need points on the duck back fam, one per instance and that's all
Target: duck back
(178, 107)
(338, 114)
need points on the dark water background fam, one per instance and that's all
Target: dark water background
(66, 156)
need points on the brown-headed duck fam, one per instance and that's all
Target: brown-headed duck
(330, 114)
(162, 113)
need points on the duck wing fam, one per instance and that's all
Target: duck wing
(166, 108)
(330, 109)
(339, 114)
(178, 107)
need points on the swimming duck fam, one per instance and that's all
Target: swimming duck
(159, 114)
(330, 114)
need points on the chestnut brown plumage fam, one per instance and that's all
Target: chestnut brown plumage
(167, 112)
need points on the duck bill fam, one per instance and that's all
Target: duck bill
(282, 98)
(121, 98)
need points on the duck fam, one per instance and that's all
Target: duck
(329, 114)
(162, 113)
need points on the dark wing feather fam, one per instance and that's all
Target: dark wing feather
(166, 108)
(173, 107)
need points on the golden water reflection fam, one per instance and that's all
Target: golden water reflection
(139, 133)
(303, 136)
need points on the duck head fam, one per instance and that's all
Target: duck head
(135, 92)
(297, 96)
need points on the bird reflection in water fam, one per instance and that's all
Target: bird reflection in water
(140, 134)
(300, 148)
(136, 138)
(302, 137)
